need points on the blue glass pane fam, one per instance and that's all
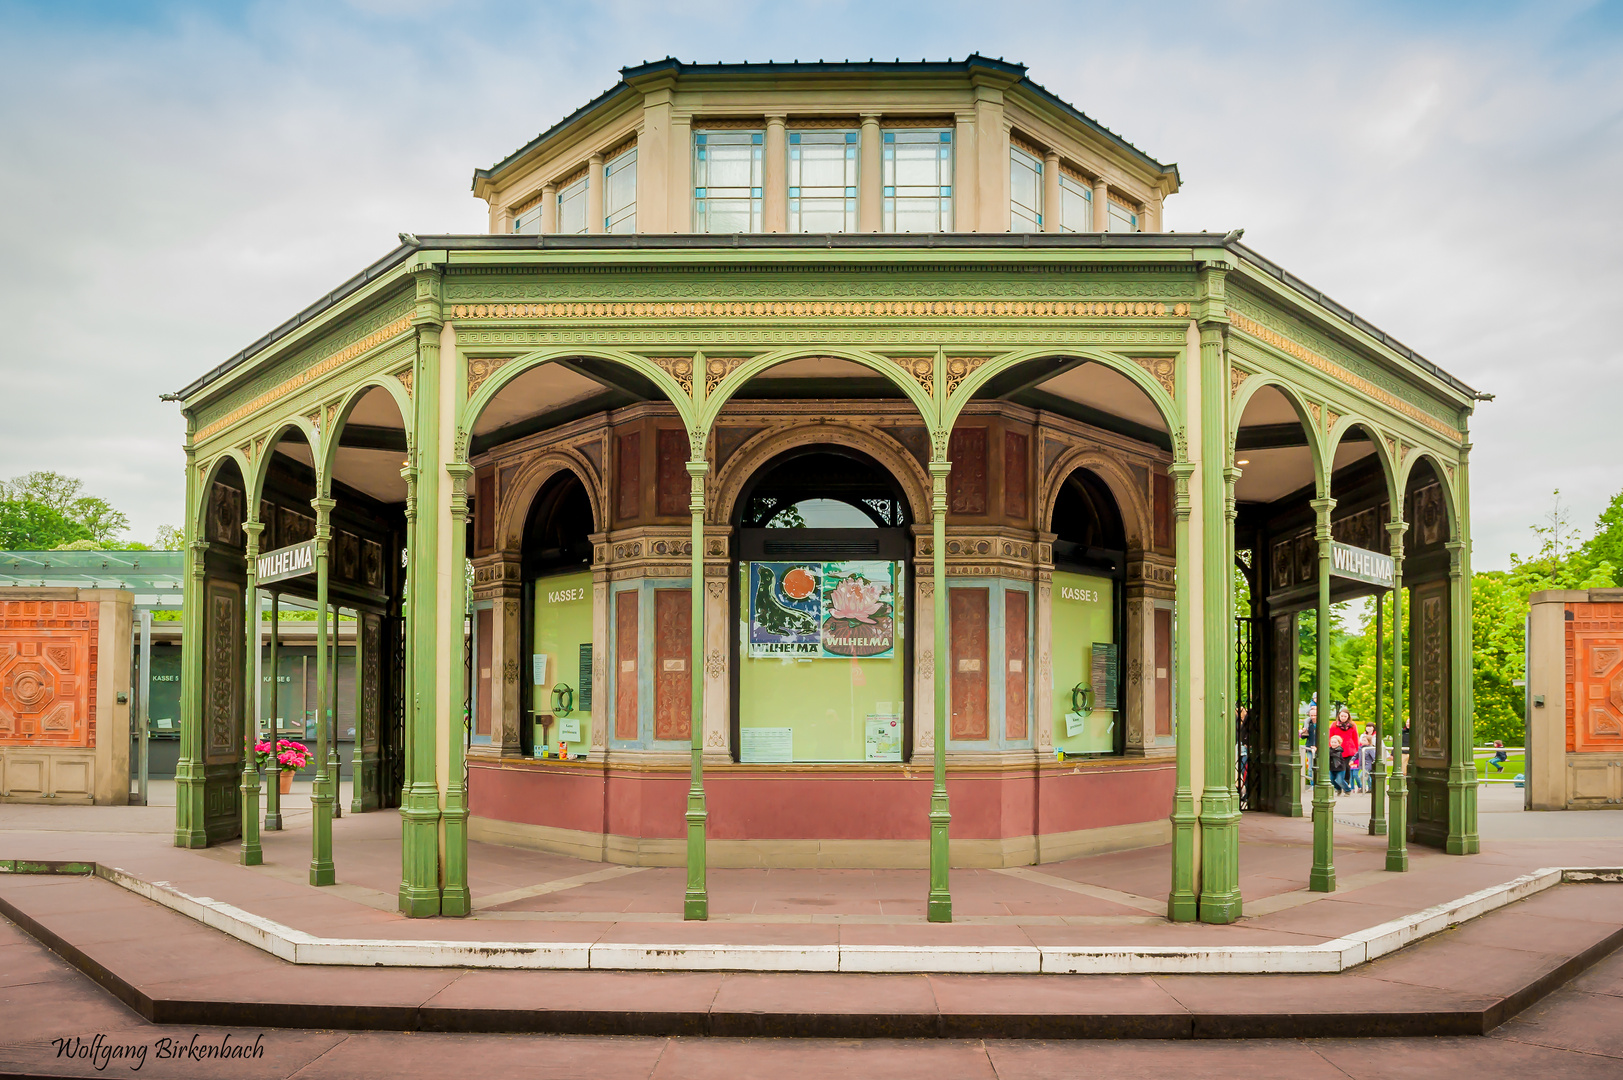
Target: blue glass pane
(794, 136)
(756, 138)
(890, 153)
(794, 155)
(890, 192)
(701, 155)
(945, 153)
(946, 136)
(946, 192)
(850, 154)
(699, 207)
(698, 193)
(699, 138)
(794, 193)
(1039, 219)
(850, 136)
(755, 193)
(850, 192)
(851, 205)
(890, 136)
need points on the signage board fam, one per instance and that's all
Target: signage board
(823, 610)
(1361, 564)
(294, 561)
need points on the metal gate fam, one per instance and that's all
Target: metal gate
(1249, 741)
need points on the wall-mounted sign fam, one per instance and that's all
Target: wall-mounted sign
(1105, 671)
(289, 562)
(766, 744)
(1361, 564)
(884, 741)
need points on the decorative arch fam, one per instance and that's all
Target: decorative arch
(769, 444)
(1132, 501)
(1119, 364)
(733, 379)
(512, 369)
(513, 508)
(340, 416)
(197, 518)
(276, 431)
(1315, 435)
(1388, 467)
(1412, 458)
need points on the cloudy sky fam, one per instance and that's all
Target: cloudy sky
(177, 178)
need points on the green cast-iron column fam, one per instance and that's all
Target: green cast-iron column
(1462, 778)
(1323, 876)
(1288, 801)
(251, 854)
(321, 799)
(357, 783)
(273, 771)
(1377, 771)
(696, 901)
(189, 828)
(940, 902)
(1219, 814)
(420, 801)
(335, 769)
(1397, 791)
(1182, 901)
(454, 898)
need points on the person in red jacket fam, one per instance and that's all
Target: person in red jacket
(1348, 731)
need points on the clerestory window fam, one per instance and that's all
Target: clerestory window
(529, 221)
(917, 181)
(572, 208)
(727, 181)
(1025, 192)
(620, 193)
(822, 181)
(1075, 205)
(1120, 218)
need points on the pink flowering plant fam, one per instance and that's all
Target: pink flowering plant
(289, 755)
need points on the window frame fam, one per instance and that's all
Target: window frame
(1069, 184)
(850, 140)
(567, 197)
(701, 168)
(890, 196)
(531, 216)
(1115, 211)
(1032, 222)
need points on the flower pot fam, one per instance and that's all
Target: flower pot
(287, 781)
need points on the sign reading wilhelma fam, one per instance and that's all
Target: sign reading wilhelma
(288, 562)
(1361, 564)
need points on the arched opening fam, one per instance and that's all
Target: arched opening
(819, 586)
(1089, 619)
(555, 626)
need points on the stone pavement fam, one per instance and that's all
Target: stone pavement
(1573, 1034)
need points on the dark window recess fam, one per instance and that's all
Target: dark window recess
(674, 486)
(820, 549)
(583, 693)
(628, 469)
(967, 481)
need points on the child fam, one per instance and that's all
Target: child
(1338, 766)
(1499, 756)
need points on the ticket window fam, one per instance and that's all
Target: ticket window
(560, 665)
(1088, 697)
(821, 660)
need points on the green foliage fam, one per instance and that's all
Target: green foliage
(169, 538)
(45, 511)
(1345, 654)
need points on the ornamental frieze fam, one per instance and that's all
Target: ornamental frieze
(828, 309)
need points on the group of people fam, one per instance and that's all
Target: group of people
(1350, 755)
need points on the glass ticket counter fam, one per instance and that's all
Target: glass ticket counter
(560, 671)
(821, 661)
(1088, 704)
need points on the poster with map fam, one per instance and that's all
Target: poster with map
(822, 610)
(785, 609)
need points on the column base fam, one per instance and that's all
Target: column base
(1462, 791)
(1397, 848)
(696, 907)
(1182, 903)
(419, 903)
(455, 901)
(419, 852)
(189, 829)
(1322, 878)
(939, 907)
(1219, 861)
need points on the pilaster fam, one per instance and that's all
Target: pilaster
(251, 854)
(1182, 902)
(454, 897)
(1397, 793)
(870, 175)
(774, 167)
(1322, 878)
(594, 193)
(189, 779)
(1462, 776)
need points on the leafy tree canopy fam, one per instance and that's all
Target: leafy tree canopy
(46, 511)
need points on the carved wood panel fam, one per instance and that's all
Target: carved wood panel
(1016, 469)
(1161, 497)
(222, 672)
(1163, 671)
(673, 652)
(628, 473)
(968, 610)
(372, 676)
(225, 515)
(625, 664)
(1595, 678)
(484, 513)
(966, 484)
(1016, 638)
(1429, 630)
(672, 476)
(1284, 682)
(47, 673)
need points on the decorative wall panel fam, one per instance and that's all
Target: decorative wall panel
(966, 484)
(1016, 676)
(673, 652)
(673, 484)
(967, 610)
(222, 672)
(628, 473)
(1594, 678)
(625, 664)
(47, 673)
(1016, 468)
(1429, 629)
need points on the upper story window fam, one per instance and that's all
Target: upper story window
(1075, 205)
(620, 193)
(572, 208)
(823, 181)
(727, 181)
(529, 221)
(1121, 219)
(1025, 192)
(917, 181)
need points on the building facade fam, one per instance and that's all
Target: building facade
(828, 464)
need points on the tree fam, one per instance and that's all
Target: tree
(45, 510)
(169, 538)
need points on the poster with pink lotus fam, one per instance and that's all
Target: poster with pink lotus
(859, 609)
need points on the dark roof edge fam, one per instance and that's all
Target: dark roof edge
(846, 241)
(678, 67)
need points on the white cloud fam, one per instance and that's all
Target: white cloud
(179, 182)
